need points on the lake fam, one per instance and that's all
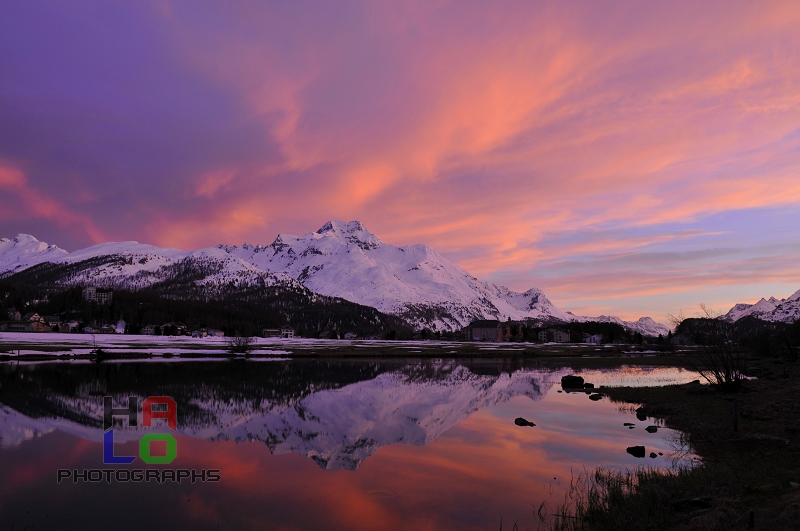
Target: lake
(342, 444)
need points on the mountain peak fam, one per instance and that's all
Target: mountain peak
(350, 232)
(25, 238)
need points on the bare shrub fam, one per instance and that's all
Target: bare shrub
(721, 359)
(240, 344)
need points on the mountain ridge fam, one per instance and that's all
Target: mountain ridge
(341, 259)
(775, 310)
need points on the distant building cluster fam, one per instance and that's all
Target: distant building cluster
(11, 320)
(501, 331)
(100, 296)
(491, 330)
(30, 322)
(284, 332)
(553, 335)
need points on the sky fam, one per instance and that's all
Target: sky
(628, 158)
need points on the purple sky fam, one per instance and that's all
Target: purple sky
(629, 158)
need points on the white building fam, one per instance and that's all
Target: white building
(595, 339)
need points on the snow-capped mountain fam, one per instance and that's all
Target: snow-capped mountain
(339, 428)
(645, 325)
(24, 251)
(782, 310)
(346, 260)
(341, 259)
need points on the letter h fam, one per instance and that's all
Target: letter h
(109, 412)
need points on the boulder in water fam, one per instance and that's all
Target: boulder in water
(572, 382)
(637, 451)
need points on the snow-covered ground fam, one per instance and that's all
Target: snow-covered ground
(57, 344)
(161, 347)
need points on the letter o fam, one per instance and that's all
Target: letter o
(144, 449)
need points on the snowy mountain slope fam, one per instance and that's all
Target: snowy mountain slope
(134, 266)
(340, 260)
(783, 310)
(24, 251)
(338, 428)
(415, 282)
(645, 325)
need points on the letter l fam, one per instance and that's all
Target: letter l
(108, 451)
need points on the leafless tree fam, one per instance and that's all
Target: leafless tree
(240, 344)
(721, 358)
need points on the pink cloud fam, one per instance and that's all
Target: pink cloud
(27, 202)
(479, 130)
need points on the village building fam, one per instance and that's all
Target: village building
(284, 332)
(24, 326)
(207, 332)
(596, 339)
(32, 316)
(52, 320)
(150, 330)
(553, 335)
(100, 296)
(14, 315)
(490, 330)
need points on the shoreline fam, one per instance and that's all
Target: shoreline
(750, 467)
(65, 347)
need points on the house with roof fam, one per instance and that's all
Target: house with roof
(596, 339)
(69, 326)
(553, 335)
(52, 320)
(150, 330)
(490, 330)
(207, 332)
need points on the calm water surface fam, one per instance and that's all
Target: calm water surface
(320, 445)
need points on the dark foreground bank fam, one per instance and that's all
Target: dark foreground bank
(750, 472)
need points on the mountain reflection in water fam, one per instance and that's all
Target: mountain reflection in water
(339, 414)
